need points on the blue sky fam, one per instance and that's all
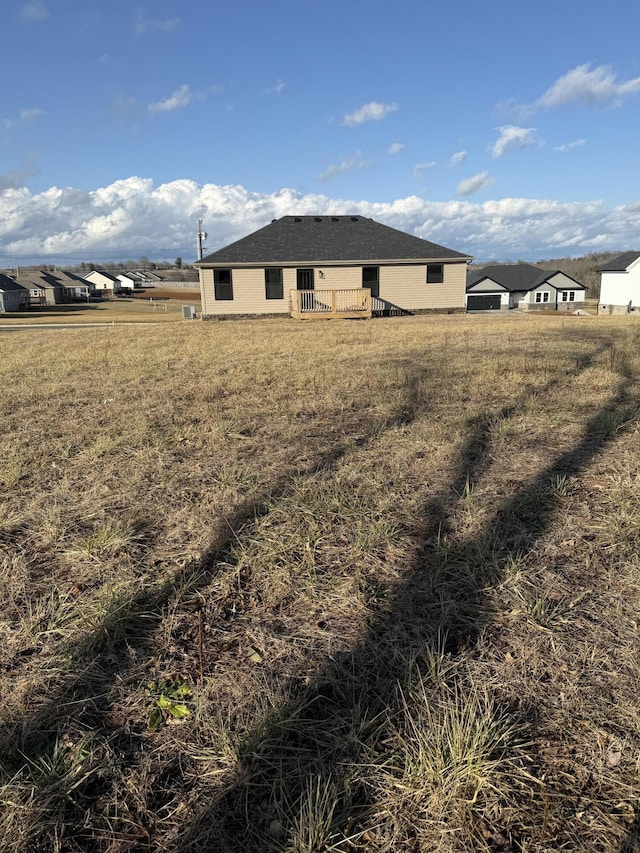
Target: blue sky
(500, 129)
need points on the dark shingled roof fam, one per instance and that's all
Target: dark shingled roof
(61, 278)
(323, 239)
(514, 276)
(7, 283)
(510, 276)
(620, 263)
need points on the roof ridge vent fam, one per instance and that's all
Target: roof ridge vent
(354, 218)
(297, 219)
(318, 218)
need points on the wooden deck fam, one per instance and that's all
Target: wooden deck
(330, 304)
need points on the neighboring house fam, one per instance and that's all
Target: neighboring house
(502, 287)
(39, 295)
(323, 256)
(147, 276)
(130, 280)
(103, 282)
(13, 297)
(620, 285)
(42, 291)
(74, 287)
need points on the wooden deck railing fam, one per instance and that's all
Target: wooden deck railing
(330, 304)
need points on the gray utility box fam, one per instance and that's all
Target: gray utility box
(188, 312)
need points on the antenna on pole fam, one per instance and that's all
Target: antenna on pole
(202, 235)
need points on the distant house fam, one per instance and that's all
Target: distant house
(13, 297)
(39, 293)
(103, 282)
(620, 285)
(131, 280)
(147, 276)
(74, 287)
(502, 287)
(307, 264)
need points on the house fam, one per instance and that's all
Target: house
(39, 294)
(331, 266)
(502, 287)
(103, 282)
(131, 280)
(147, 276)
(620, 285)
(41, 291)
(74, 287)
(13, 297)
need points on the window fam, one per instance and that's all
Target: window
(435, 273)
(273, 283)
(542, 296)
(568, 296)
(222, 285)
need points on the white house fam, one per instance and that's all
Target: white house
(620, 285)
(130, 280)
(504, 286)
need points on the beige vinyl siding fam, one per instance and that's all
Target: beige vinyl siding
(249, 294)
(337, 278)
(405, 285)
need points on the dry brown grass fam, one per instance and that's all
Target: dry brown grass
(389, 568)
(141, 309)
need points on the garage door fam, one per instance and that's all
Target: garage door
(483, 303)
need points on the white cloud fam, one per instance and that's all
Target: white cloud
(396, 148)
(275, 90)
(132, 217)
(176, 101)
(512, 137)
(474, 184)
(569, 146)
(34, 10)
(458, 157)
(597, 86)
(31, 113)
(420, 168)
(345, 165)
(373, 111)
(142, 25)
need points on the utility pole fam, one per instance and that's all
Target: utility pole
(202, 235)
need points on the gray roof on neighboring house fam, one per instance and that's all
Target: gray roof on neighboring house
(31, 281)
(514, 277)
(620, 263)
(62, 278)
(326, 239)
(8, 283)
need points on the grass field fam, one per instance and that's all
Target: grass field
(151, 306)
(371, 585)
